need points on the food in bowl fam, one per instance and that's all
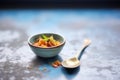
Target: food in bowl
(46, 50)
(46, 41)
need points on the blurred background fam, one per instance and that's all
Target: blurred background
(98, 20)
(59, 4)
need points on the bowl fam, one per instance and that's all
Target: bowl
(49, 51)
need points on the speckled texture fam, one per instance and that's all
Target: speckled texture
(100, 61)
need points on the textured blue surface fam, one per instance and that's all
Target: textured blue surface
(100, 61)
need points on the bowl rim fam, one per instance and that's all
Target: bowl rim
(47, 47)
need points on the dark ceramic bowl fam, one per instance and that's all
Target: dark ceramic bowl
(46, 52)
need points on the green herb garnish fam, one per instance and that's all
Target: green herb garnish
(45, 37)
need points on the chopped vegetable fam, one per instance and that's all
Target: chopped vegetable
(45, 42)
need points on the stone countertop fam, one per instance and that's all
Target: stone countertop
(100, 61)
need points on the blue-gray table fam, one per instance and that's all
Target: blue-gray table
(100, 61)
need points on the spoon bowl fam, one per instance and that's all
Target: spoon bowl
(74, 61)
(71, 63)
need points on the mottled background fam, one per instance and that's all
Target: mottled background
(100, 61)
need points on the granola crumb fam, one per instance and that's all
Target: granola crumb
(56, 64)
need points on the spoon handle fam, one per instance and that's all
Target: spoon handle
(85, 44)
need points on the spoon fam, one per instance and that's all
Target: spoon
(74, 61)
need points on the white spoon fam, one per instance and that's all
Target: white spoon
(74, 61)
